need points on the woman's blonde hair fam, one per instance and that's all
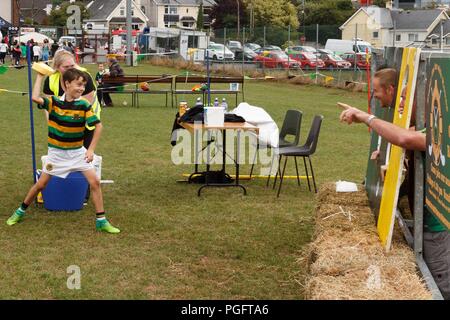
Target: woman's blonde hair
(60, 57)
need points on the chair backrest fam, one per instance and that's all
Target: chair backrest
(291, 125)
(313, 136)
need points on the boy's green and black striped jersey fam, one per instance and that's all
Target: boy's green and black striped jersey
(67, 121)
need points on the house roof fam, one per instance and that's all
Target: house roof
(101, 9)
(187, 18)
(414, 19)
(380, 15)
(437, 30)
(36, 4)
(403, 19)
(206, 3)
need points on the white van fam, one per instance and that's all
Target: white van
(67, 39)
(347, 46)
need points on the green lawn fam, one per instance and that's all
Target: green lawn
(173, 245)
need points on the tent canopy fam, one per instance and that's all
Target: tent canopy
(36, 36)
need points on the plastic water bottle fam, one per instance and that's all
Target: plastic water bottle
(224, 105)
(199, 102)
(216, 102)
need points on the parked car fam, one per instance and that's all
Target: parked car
(307, 60)
(276, 59)
(249, 55)
(300, 49)
(217, 51)
(268, 48)
(327, 51)
(234, 45)
(361, 60)
(333, 61)
(252, 46)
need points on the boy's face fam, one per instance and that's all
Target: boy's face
(76, 87)
(101, 67)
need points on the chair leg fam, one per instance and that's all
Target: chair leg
(281, 177)
(254, 159)
(307, 174)
(296, 168)
(270, 170)
(312, 172)
(278, 171)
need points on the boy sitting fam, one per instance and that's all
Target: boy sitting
(68, 116)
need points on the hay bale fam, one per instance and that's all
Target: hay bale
(346, 217)
(336, 252)
(346, 259)
(328, 194)
(404, 286)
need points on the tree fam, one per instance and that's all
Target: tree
(331, 12)
(200, 20)
(58, 15)
(275, 13)
(225, 13)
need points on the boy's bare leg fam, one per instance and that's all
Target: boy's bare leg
(101, 223)
(35, 189)
(38, 187)
(96, 190)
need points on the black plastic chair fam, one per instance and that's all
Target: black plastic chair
(291, 126)
(304, 151)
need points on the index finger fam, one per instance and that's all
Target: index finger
(343, 105)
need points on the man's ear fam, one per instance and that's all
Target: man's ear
(391, 90)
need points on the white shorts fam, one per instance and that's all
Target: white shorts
(60, 162)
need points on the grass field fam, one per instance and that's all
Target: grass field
(173, 245)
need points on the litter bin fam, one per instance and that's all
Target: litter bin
(65, 194)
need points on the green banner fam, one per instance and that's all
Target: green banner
(437, 183)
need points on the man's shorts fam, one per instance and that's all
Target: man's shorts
(436, 252)
(60, 162)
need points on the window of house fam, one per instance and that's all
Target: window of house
(192, 41)
(187, 10)
(398, 37)
(170, 10)
(434, 41)
(447, 40)
(375, 35)
(89, 26)
(413, 37)
(122, 11)
(170, 24)
(143, 9)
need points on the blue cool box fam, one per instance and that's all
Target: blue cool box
(65, 194)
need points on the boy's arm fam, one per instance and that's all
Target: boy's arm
(36, 96)
(90, 152)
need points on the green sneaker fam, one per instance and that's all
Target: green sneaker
(16, 217)
(105, 226)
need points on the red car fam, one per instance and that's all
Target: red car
(361, 60)
(308, 60)
(333, 61)
(275, 59)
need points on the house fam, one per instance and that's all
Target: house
(176, 13)
(440, 33)
(387, 27)
(106, 15)
(35, 11)
(410, 4)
